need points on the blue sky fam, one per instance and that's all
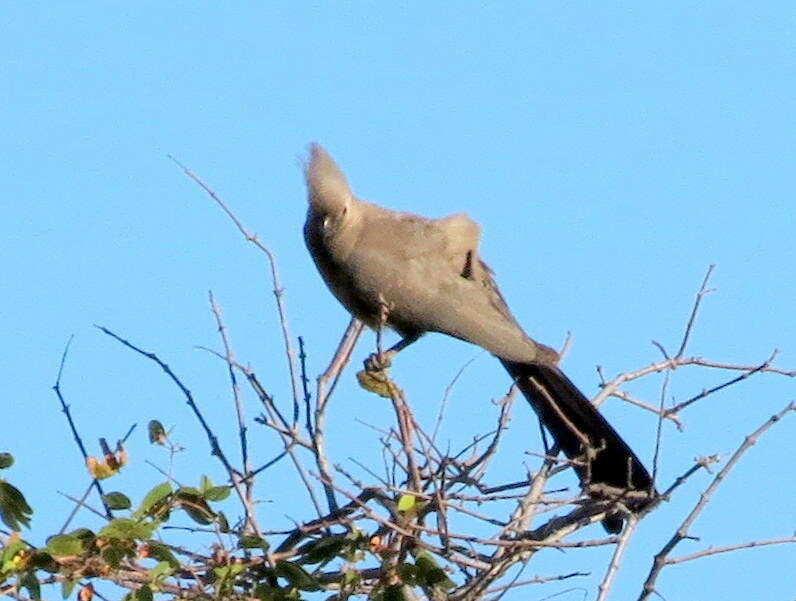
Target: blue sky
(610, 151)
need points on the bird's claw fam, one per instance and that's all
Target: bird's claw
(378, 362)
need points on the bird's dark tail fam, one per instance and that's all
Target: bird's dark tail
(606, 465)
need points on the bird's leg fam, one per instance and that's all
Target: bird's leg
(375, 377)
(382, 360)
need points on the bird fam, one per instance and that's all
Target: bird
(417, 275)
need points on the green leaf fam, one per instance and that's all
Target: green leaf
(6, 460)
(351, 577)
(41, 560)
(393, 593)
(30, 582)
(226, 572)
(408, 573)
(160, 571)
(323, 549)
(157, 433)
(67, 586)
(115, 552)
(407, 503)
(153, 498)
(296, 576)
(210, 491)
(429, 573)
(190, 500)
(14, 509)
(217, 493)
(143, 594)
(12, 557)
(117, 501)
(264, 592)
(128, 529)
(62, 545)
(253, 542)
(270, 593)
(162, 553)
(85, 535)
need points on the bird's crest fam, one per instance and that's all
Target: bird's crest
(327, 187)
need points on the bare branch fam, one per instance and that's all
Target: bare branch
(73, 427)
(536, 580)
(762, 367)
(682, 532)
(703, 290)
(729, 548)
(215, 447)
(322, 396)
(665, 413)
(277, 286)
(446, 394)
(631, 521)
(608, 388)
(247, 482)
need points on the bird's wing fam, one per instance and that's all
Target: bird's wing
(486, 277)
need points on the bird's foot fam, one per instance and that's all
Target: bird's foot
(375, 377)
(379, 362)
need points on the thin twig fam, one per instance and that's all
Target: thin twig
(703, 290)
(608, 388)
(305, 389)
(631, 521)
(215, 447)
(73, 427)
(81, 502)
(340, 359)
(288, 435)
(729, 548)
(680, 406)
(230, 360)
(166, 474)
(322, 397)
(446, 394)
(537, 580)
(700, 464)
(659, 427)
(250, 522)
(665, 413)
(406, 429)
(681, 534)
(277, 286)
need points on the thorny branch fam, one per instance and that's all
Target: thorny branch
(246, 481)
(73, 427)
(235, 475)
(682, 531)
(323, 394)
(277, 286)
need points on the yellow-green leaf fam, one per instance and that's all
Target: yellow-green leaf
(152, 498)
(407, 503)
(64, 545)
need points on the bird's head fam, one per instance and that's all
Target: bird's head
(328, 193)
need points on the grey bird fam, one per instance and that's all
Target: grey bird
(419, 275)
